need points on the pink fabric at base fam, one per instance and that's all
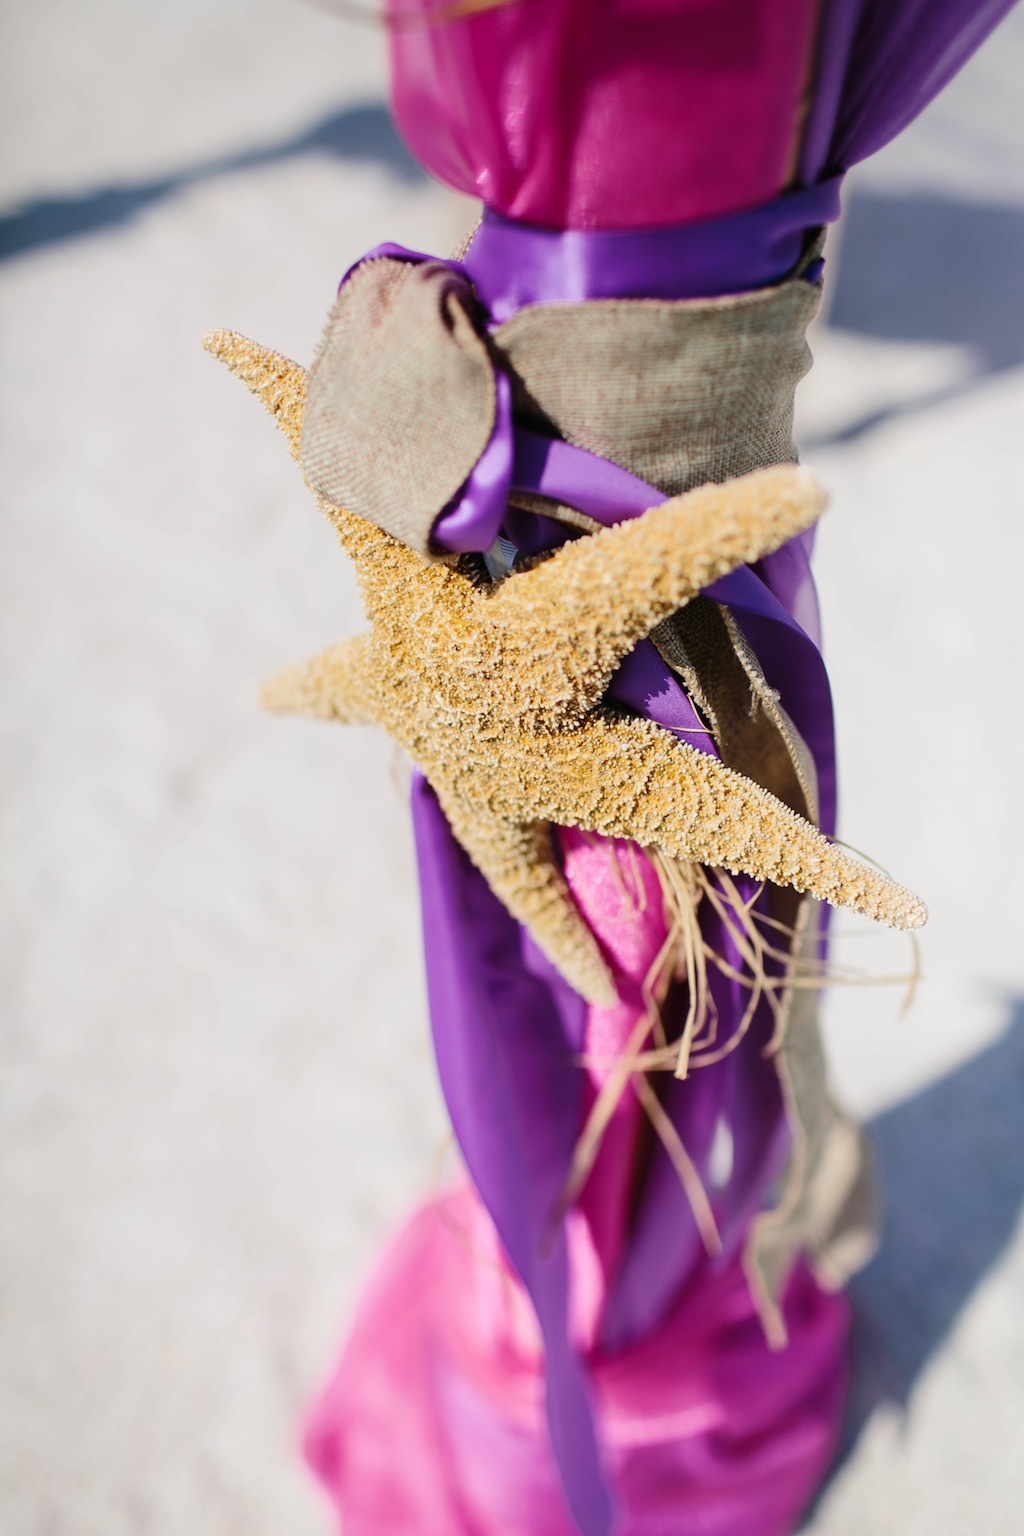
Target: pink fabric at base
(433, 1424)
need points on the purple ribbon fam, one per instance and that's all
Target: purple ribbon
(791, 660)
(512, 264)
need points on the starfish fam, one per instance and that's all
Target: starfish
(496, 693)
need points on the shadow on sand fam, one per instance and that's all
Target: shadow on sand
(920, 267)
(363, 133)
(952, 1166)
(916, 267)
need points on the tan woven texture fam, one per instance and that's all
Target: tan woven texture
(723, 677)
(401, 397)
(676, 392)
(496, 694)
(827, 1207)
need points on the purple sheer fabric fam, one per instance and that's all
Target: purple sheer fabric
(506, 1029)
(878, 65)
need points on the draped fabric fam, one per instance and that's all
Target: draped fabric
(627, 114)
(703, 139)
(609, 114)
(878, 64)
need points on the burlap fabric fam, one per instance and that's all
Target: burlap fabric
(828, 1206)
(676, 392)
(401, 397)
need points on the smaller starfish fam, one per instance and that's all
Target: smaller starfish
(496, 693)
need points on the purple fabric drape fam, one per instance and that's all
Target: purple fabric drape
(879, 63)
(505, 1049)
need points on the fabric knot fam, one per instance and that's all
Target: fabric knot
(404, 401)
(425, 415)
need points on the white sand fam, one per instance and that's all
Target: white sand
(218, 1090)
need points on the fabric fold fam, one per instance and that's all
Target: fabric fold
(401, 402)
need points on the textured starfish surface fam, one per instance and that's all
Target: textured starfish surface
(496, 693)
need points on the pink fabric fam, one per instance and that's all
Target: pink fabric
(618, 892)
(607, 114)
(434, 1422)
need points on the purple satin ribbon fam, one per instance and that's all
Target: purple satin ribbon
(513, 264)
(478, 509)
(609, 494)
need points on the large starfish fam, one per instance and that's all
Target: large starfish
(496, 693)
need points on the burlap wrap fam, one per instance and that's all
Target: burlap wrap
(676, 392)
(828, 1206)
(400, 406)
(401, 397)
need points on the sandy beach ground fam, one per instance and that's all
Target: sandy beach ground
(218, 1092)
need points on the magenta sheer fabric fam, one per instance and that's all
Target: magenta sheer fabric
(434, 1423)
(631, 114)
(607, 114)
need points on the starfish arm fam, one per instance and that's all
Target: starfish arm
(518, 861)
(599, 595)
(631, 779)
(339, 684)
(277, 382)
(382, 562)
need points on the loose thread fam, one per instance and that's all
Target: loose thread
(686, 957)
